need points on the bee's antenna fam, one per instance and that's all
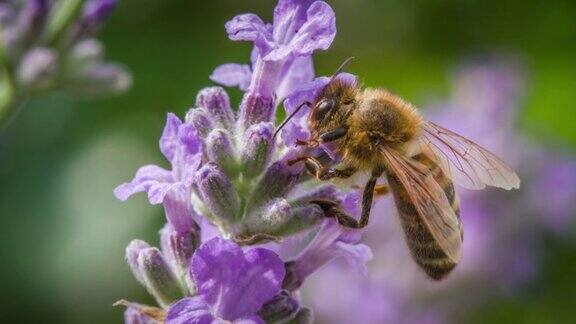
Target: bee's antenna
(341, 67)
(305, 103)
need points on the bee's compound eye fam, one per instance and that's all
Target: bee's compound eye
(324, 106)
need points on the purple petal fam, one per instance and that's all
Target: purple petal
(150, 178)
(188, 137)
(317, 32)
(246, 27)
(233, 75)
(300, 71)
(236, 284)
(169, 142)
(178, 209)
(293, 131)
(190, 310)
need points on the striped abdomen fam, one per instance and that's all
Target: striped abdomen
(424, 248)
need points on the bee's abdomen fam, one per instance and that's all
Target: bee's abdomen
(423, 247)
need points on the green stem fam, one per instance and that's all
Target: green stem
(63, 17)
(7, 87)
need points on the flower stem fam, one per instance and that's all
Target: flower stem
(63, 17)
(7, 88)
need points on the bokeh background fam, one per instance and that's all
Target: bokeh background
(63, 233)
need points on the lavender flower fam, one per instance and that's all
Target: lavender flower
(229, 177)
(232, 284)
(48, 45)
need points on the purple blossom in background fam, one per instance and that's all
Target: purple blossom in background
(50, 45)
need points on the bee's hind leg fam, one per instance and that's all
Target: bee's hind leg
(322, 172)
(332, 209)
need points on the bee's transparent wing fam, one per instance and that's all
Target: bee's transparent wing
(470, 165)
(429, 200)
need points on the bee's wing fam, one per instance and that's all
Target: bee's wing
(429, 201)
(470, 165)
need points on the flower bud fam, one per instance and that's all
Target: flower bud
(258, 148)
(279, 309)
(178, 247)
(99, 80)
(132, 251)
(31, 20)
(158, 277)
(216, 102)
(217, 193)
(200, 119)
(96, 12)
(86, 51)
(256, 109)
(38, 69)
(276, 182)
(219, 150)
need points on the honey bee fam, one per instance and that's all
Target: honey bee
(376, 131)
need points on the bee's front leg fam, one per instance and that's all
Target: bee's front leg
(327, 137)
(322, 172)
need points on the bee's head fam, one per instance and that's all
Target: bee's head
(332, 106)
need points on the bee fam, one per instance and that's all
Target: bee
(376, 131)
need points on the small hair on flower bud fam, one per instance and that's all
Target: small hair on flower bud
(216, 101)
(159, 279)
(38, 69)
(201, 120)
(217, 193)
(257, 150)
(132, 252)
(220, 150)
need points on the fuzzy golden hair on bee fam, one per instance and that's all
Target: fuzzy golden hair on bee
(378, 132)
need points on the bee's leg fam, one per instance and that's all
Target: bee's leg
(321, 172)
(327, 137)
(332, 209)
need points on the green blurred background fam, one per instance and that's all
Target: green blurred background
(63, 233)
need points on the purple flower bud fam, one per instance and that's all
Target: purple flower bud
(31, 19)
(257, 148)
(178, 247)
(216, 102)
(276, 182)
(279, 218)
(220, 150)
(96, 11)
(38, 68)
(279, 309)
(200, 119)
(132, 251)
(217, 192)
(88, 50)
(99, 79)
(158, 277)
(256, 108)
